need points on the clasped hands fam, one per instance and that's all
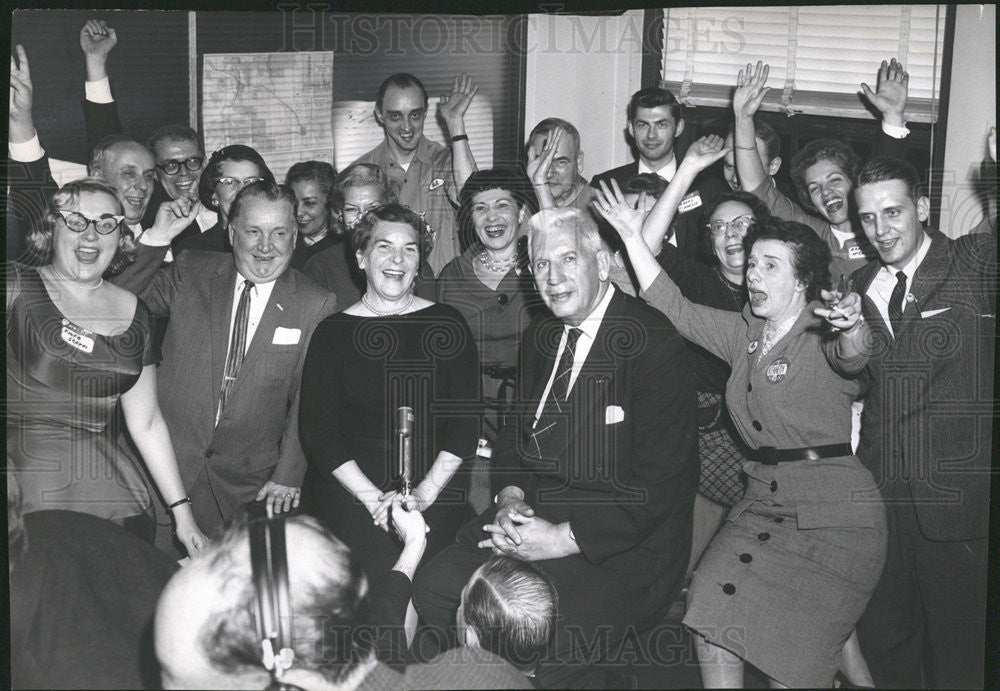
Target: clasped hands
(517, 532)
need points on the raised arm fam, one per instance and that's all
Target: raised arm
(700, 155)
(453, 107)
(712, 329)
(97, 39)
(749, 94)
(890, 101)
(28, 177)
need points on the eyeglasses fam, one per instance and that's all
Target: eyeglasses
(77, 222)
(232, 184)
(740, 224)
(354, 212)
(173, 166)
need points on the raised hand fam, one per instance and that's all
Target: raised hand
(173, 216)
(539, 162)
(21, 94)
(705, 151)
(97, 38)
(750, 89)
(454, 105)
(893, 85)
(626, 219)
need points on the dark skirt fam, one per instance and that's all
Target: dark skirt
(377, 550)
(787, 578)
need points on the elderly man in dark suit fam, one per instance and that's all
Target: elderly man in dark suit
(596, 477)
(926, 431)
(232, 356)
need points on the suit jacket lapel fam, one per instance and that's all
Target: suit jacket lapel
(929, 276)
(221, 289)
(585, 395)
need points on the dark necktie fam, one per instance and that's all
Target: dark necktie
(237, 346)
(896, 303)
(559, 391)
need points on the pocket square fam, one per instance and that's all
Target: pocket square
(613, 414)
(283, 336)
(931, 313)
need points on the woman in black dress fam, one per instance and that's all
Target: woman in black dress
(390, 349)
(76, 346)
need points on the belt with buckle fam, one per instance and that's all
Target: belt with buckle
(768, 455)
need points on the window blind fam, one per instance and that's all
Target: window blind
(818, 55)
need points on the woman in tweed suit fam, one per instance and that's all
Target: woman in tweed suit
(786, 579)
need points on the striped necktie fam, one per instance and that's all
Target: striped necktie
(237, 347)
(558, 392)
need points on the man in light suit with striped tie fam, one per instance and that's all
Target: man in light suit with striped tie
(232, 357)
(595, 476)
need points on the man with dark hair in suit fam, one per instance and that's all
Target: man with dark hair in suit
(596, 471)
(232, 356)
(655, 121)
(925, 432)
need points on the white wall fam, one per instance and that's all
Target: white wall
(584, 69)
(971, 112)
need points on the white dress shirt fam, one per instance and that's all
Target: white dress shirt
(588, 329)
(880, 290)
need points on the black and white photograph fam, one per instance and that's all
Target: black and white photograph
(436, 345)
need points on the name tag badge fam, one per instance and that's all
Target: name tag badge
(855, 252)
(81, 339)
(777, 370)
(692, 200)
(435, 183)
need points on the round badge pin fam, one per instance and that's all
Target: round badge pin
(752, 347)
(777, 370)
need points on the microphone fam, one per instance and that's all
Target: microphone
(404, 449)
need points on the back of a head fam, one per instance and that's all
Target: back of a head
(205, 631)
(511, 607)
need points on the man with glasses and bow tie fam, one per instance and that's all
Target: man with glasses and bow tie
(595, 478)
(232, 357)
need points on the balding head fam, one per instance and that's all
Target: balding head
(205, 630)
(129, 167)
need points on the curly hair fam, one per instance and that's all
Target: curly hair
(837, 152)
(390, 213)
(810, 255)
(40, 238)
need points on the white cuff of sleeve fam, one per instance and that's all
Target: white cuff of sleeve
(895, 131)
(25, 152)
(145, 238)
(99, 91)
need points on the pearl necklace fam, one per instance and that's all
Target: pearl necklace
(498, 266)
(56, 276)
(386, 313)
